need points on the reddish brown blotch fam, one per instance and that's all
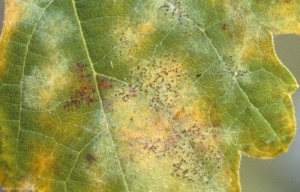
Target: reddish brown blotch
(105, 84)
(83, 92)
(85, 88)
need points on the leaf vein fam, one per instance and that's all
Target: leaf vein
(98, 92)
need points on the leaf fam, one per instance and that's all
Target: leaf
(141, 95)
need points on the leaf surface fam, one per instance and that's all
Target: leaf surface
(141, 95)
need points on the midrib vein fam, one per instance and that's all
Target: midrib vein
(98, 93)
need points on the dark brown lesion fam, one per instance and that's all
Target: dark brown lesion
(224, 26)
(287, 1)
(84, 92)
(90, 158)
(246, 148)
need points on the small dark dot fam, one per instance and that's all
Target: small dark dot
(90, 158)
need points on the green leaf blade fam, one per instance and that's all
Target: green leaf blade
(140, 95)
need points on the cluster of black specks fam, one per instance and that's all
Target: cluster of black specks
(195, 155)
(125, 40)
(84, 91)
(128, 37)
(175, 16)
(175, 9)
(233, 70)
(158, 80)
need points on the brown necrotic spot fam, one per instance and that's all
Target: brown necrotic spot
(287, 1)
(246, 148)
(79, 68)
(90, 158)
(224, 26)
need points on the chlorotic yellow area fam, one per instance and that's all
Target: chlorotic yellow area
(12, 14)
(52, 74)
(287, 11)
(26, 184)
(45, 83)
(164, 128)
(130, 38)
(250, 51)
(145, 28)
(161, 104)
(41, 162)
(13, 9)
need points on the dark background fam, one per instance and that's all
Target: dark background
(282, 173)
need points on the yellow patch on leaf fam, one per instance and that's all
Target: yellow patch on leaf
(145, 28)
(13, 9)
(12, 14)
(45, 84)
(41, 163)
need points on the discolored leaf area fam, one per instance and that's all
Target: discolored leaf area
(142, 95)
